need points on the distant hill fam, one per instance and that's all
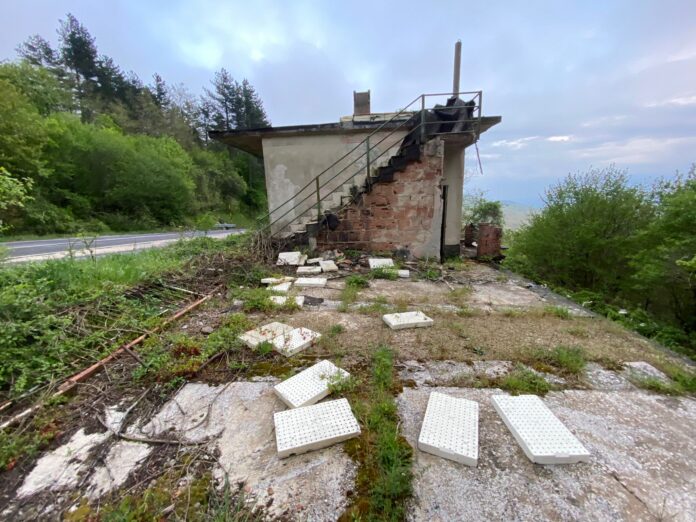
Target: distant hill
(516, 214)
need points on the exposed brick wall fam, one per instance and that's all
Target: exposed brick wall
(402, 214)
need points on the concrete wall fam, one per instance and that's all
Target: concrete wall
(294, 161)
(405, 214)
(454, 179)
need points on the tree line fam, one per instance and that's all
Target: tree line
(626, 251)
(85, 146)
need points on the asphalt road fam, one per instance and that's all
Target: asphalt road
(45, 248)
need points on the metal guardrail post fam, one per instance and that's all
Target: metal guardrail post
(318, 201)
(367, 161)
(422, 122)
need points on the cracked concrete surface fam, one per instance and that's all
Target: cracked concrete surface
(642, 445)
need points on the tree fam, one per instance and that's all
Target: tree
(37, 51)
(39, 85)
(225, 101)
(584, 235)
(253, 115)
(477, 209)
(13, 193)
(160, 92)
(78, 53)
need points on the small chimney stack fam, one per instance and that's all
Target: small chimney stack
(457, 66)
(361, 103)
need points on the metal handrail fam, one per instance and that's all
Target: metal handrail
(366, 141)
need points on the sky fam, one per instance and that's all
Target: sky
(579, 85)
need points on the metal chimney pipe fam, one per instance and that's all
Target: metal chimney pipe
(457, 66)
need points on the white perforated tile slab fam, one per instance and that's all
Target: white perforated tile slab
(314, 427)
(282, 299)
(310, 282)
(268, 332)
(407, 320)
(542, 437)
(310, 385)
(290, 258)
(309, 270)
(450, 429)
(276, 280)
(294, 341)
(380, 262)
(328, 266)
(282, 287)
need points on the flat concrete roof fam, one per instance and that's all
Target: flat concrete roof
(250, 140)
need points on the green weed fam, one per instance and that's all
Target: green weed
(524, 380)
(557, 311)
(569, 360)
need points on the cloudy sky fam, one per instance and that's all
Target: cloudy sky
(578, 84)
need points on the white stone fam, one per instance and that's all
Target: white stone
(290, 258)
(265, 333)
(380, 262)
(314, 427)
(62, 467)
(328, 266)
(314, 261)
(294, 341)
(282, 287)
(407, 320)
(123, 458)
(542, 437)
(310, 282)
(310, 385)
(450, 429)
(405, 274)
(313, 270)
(282, 299)
(276, 280)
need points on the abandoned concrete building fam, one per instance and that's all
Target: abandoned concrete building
(373, 181)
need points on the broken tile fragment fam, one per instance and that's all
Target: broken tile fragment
(380, 262)
(290, 258)
(328, 266)
(276, 280)
(542, 437)
(309, 270)
(282, 299)
(294, 341)
(407, 320)
(265, 333)
(314, 427)
(310, 385)
(310, 282)
(314, 261)
(450, 429)
(282, 287)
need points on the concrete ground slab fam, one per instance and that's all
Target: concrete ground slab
(403, 320)
(314, 427)
(450, 429)
(237, 418)
(644, 370)
(602, 379)
(311, 385)
(641, 470)
(491, 296)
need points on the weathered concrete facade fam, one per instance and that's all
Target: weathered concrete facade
(292, 162)
(404, 215)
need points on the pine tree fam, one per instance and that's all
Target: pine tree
(160, 92)
(225, 100)
(253, 115)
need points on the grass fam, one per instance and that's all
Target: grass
(568, 360)
(390, 274)
(460, 296)
(681, 381)
(523, 380)
(385, 458)
(557, 311)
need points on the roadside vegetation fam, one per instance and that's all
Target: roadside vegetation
(85, 146)
(624, 251)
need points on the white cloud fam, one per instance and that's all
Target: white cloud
(514, 144)
(605, 121)
(679, 101)
(559, 138)
(636, 151)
